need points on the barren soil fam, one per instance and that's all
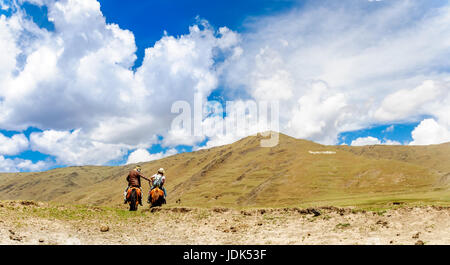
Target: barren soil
(27, 222)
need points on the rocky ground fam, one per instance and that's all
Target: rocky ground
(27, 222)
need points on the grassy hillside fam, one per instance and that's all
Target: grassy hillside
(243, 174)
(431, 156)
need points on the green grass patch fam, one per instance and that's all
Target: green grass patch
(342, 225)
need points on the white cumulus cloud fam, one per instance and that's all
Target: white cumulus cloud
(74, 148)
(17, 164)
(13, 145)
(142, 155)
(429, 131)
(369, 140)
(377, 65)
(76, 84)
(409, 102)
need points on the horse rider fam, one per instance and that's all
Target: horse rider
(134, 180)
(158, 180)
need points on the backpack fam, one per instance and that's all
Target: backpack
(157, 182)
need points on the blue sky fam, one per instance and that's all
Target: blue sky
(396, 132)
(149, 19)
(348, 72)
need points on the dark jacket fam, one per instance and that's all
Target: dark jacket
(134, 178)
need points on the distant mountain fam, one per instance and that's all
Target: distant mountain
(243, 174)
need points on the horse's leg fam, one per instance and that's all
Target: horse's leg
(132, 200)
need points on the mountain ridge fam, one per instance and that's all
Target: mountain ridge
(243, 174)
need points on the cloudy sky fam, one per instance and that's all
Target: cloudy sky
(87, 82)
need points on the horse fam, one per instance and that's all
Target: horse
(157, 196)
(133, 197)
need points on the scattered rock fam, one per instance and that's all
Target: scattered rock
(155, 209)
(310, 211)
(419, 242)
(382, 223)
(262, 211)
(28, 203)
(246, 213)
(180, 210)
(416, 235)
(391, 242)
(315, 212)
(41, 240)
(260, 224)
(15, 237)
(11, 232)
(104, 228)
(220, 210)
(233, 229)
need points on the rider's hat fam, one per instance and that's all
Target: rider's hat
(138, 168)
(161, 170)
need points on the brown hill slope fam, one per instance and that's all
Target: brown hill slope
(434, 156)
(243, 174)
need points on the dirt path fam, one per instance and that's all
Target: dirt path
(40, 223)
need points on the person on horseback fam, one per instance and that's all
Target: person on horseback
(158, 180)
(134, 180)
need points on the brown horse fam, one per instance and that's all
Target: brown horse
(157, 196)
(133, 197)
